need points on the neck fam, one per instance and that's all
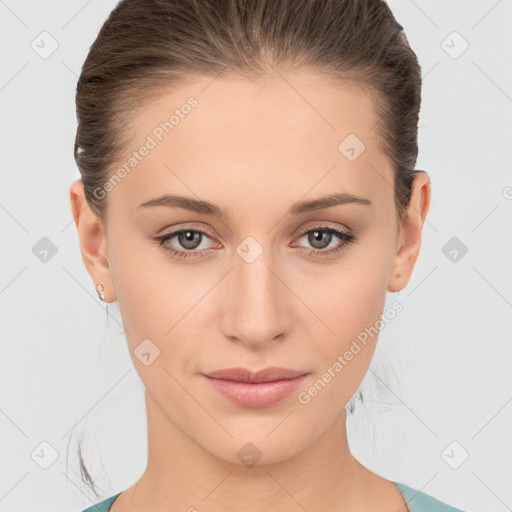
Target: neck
(181, 475)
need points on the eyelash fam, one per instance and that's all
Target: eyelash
(345, 237)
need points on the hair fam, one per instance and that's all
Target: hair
(146, 46)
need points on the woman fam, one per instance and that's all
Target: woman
(248, 196)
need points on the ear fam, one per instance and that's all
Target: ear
(411, 223)
(93, 241)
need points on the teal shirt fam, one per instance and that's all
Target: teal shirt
(417, 501)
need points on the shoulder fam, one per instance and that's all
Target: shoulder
(103, 506)
(418, 501)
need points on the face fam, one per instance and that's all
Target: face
(264, 277)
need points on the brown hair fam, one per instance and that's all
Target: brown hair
(146, 46)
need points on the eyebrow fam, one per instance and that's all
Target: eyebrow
(205, 207)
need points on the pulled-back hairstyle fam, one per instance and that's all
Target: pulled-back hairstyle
(146, 46)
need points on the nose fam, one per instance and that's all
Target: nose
(256, 306)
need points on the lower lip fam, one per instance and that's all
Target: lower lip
(261, 394)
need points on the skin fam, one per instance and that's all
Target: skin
(253, 148)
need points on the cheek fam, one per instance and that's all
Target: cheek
(148, 285)
(351, 316)
(348, 302)
(343, 344)
(159, 301)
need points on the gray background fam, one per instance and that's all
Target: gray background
(439, 387)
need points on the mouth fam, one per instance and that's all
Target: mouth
(258, 389)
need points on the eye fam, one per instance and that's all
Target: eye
(188, 239)
(320, 237)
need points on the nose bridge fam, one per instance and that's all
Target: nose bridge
(255, 309)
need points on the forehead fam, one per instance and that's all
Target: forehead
(286, 131)
(302, 104)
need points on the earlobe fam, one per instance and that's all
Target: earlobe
(411, 224)
(93, 242)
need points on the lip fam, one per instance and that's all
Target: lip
(261, 388)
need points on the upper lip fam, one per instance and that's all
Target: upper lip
(269, 374)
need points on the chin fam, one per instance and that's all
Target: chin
(271, 443)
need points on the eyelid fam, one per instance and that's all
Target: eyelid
(322, 225)
(185, 227)
(209, 232)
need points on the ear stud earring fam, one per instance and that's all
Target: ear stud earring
(100, 290)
